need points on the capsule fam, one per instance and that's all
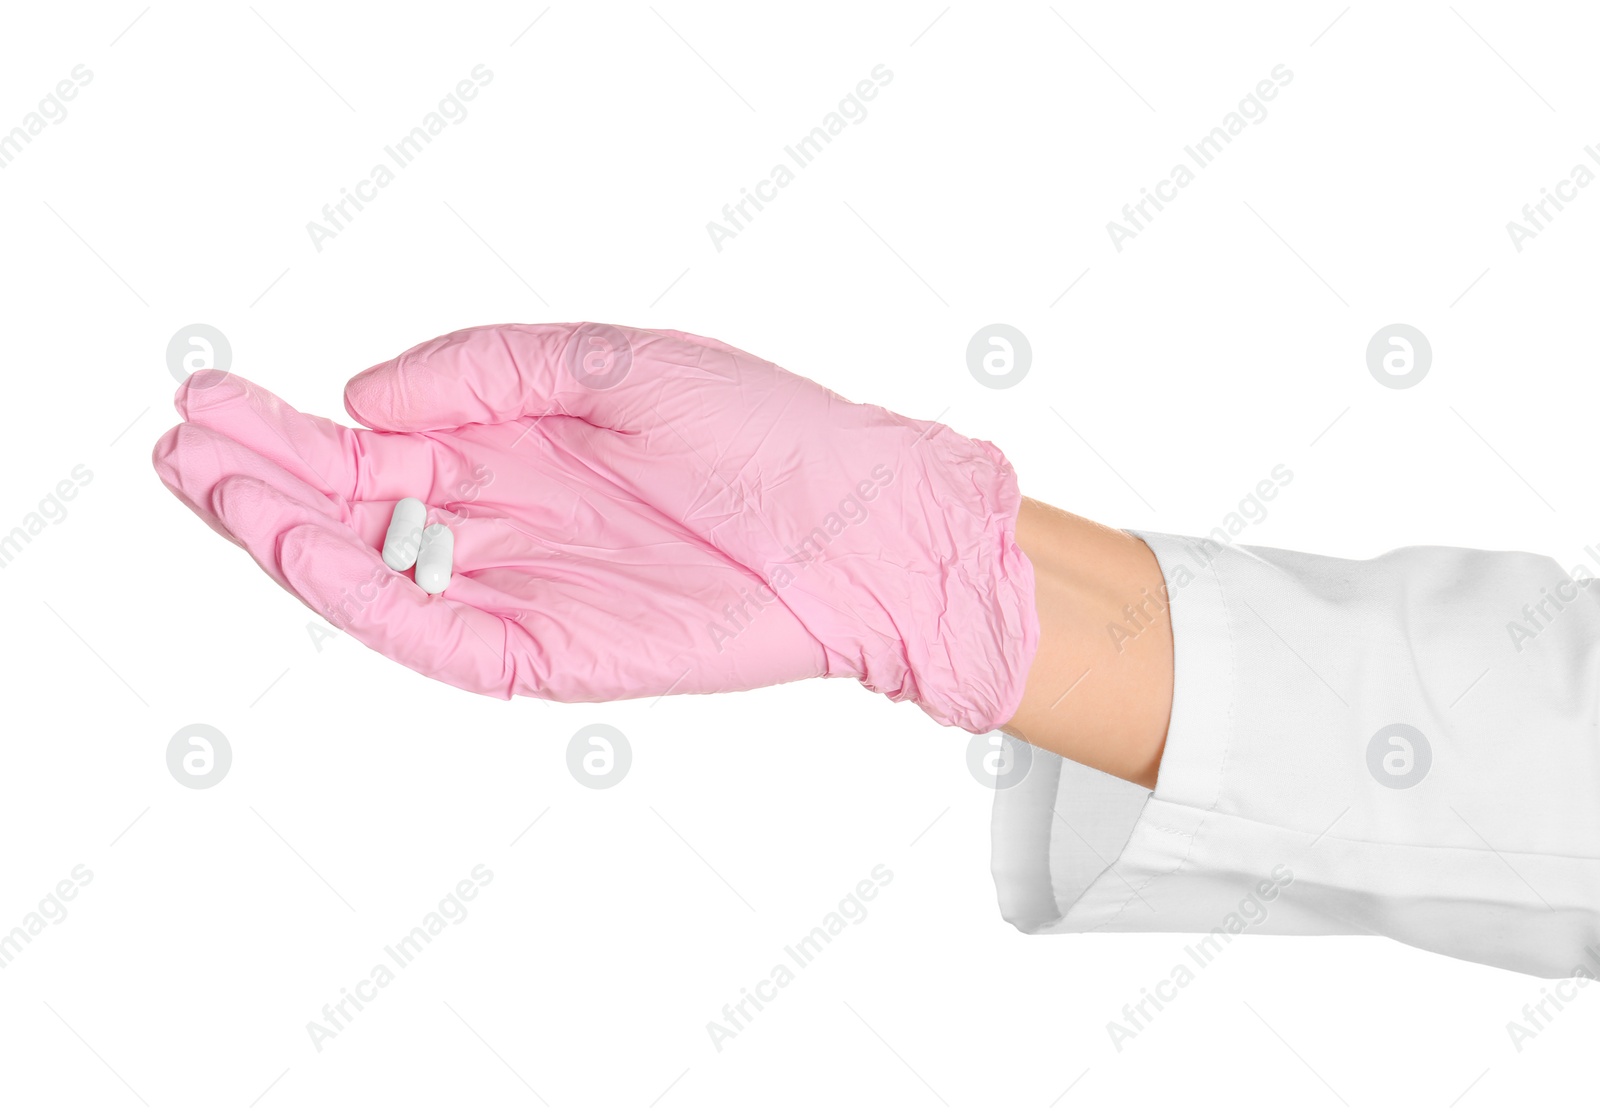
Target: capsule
(435, 559)
(404, 539)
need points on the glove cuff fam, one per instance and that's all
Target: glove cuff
(975, 627)
(934, 602)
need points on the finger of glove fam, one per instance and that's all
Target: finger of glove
(333, 572)
(192, 460)
(611, 376)
(433, 635)
(163, 460)
(340, 462)
(258, 514)
(709, 342)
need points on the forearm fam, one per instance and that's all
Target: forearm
(1100, 687)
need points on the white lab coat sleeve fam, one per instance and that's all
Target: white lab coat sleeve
(1403, 746)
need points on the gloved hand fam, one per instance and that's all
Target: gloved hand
(635, 512)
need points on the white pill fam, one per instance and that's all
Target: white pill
(435, 559)
(404, 539)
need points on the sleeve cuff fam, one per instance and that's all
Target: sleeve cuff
(1077, 850)
(1356, 747)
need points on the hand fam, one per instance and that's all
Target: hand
(636, 512)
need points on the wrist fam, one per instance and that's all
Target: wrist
(1099, 690)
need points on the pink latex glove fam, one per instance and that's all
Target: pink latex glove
(635, 512)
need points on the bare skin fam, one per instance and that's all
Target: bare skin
(1100, 688)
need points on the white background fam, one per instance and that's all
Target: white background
(1226, 338)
